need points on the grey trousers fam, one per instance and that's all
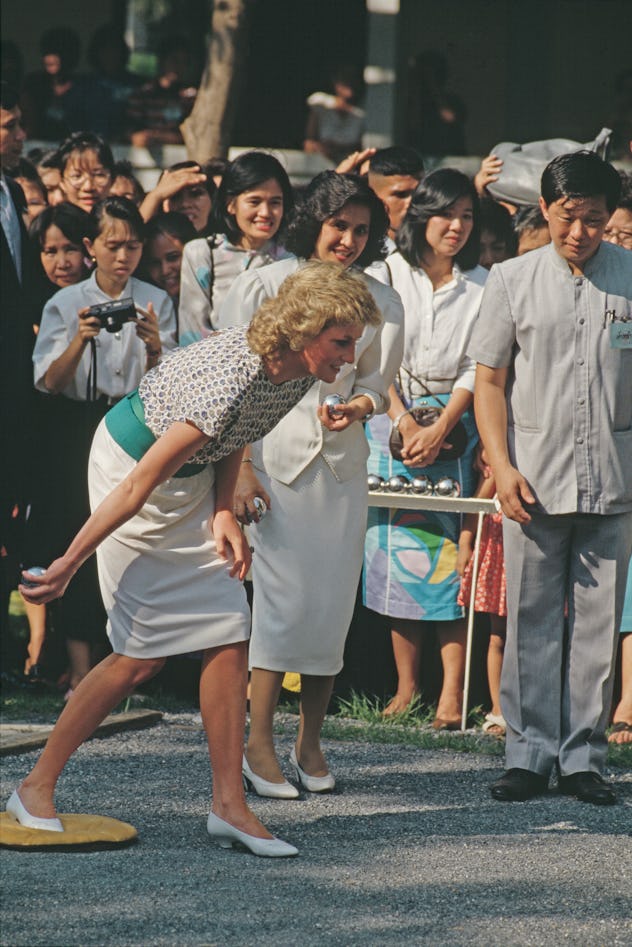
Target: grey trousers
(556, 691)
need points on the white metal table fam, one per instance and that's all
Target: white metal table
(411, 501)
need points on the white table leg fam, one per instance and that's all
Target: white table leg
(470, 622)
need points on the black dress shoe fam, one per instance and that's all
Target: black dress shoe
(516, 785)
(588, 787)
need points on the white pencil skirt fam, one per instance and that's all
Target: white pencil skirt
(306, 567)
(164, 587)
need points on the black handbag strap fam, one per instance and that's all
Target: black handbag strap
(426, 391)
(212, 243)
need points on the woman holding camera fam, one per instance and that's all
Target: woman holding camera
(410, 557)
(162, 473)
(91, 368)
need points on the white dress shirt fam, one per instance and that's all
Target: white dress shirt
(438, 324)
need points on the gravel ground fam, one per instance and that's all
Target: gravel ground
(409, 850)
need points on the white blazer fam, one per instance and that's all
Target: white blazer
(299, 437)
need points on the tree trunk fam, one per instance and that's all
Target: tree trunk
(208, 128)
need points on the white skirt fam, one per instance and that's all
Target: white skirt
(306, 566)
(164, 587)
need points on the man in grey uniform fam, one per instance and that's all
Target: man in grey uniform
(553, 403)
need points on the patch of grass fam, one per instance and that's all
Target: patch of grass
(336, 728)
(620, 755)
(360, 706)
(358, 718)
(370, 710)
(21, 705)
(24, 706)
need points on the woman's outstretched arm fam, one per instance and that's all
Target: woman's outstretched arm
(160, 462)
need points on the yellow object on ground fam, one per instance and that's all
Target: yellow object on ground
(79, 829)
(292, 682)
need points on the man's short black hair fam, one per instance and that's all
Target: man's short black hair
(397, 160)
(625, 198)
(8, 96)
(579, 175)
(529, 217)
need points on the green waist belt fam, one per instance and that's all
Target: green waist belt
(126, 423)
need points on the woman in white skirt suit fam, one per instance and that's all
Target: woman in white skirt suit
(308, 549)
(162, 475)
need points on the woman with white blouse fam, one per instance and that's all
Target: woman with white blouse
(248, 216)
(308, 548)
(89, 370)
(410, 557)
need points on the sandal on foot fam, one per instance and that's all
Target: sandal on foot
(494, 720)
(621, 726)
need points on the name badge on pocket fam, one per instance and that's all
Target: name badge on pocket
(621, 335)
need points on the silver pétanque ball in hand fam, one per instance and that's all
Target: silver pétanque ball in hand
(374, 482)
(332, 403)
(447, 487)
(398, 483)
(34, 570)
(260, 506)
(421, 486)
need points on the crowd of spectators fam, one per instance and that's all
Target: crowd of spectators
(87, 234)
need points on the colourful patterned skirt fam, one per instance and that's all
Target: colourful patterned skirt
(491, 584)
(409, 555)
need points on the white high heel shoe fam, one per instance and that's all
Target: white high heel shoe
(263, 787)
(311, 783)
(226, 834)
(16, 808)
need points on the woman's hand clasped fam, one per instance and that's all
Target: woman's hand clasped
(421, 444)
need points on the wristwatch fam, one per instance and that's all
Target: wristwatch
(397, 420)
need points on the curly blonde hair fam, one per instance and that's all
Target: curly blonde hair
(317, 296)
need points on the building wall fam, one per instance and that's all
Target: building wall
(525, 70)
(24, 23)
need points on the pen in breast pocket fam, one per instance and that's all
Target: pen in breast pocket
(609, 316)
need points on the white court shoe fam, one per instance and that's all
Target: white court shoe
(263, 787)
(311, 783)
(24, 817)
(226, 834)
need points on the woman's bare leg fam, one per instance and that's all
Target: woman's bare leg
(495, 655)
(80, 660)
(623, 711)
(265, 687)
(315, 695)
(97, 694)
(406, 639)
(452, 636)
(223, 705)
(36, 617)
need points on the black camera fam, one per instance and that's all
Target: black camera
(114, 314)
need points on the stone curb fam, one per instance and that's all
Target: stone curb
(21, 738)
